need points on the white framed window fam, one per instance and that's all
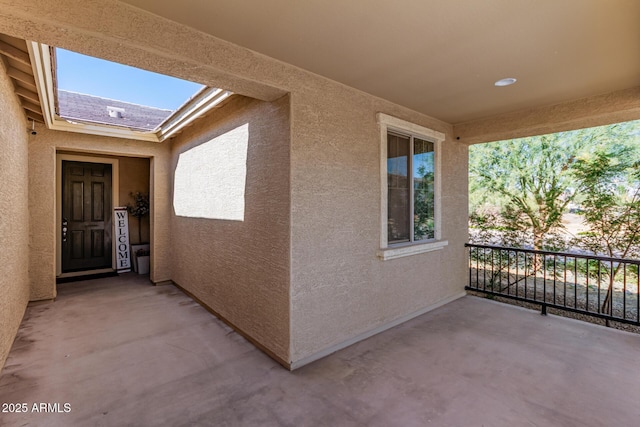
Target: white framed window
(410, 188)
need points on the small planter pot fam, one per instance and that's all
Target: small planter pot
(134, 257)
(143, 264)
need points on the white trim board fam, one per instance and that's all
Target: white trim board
(330, 350)
(400, 251)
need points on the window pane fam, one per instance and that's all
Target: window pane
(398, 185)
(423, 190)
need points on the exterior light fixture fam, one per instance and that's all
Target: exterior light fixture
(505, 82)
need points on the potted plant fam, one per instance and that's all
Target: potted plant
(139, 209)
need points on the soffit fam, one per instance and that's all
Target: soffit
(435, 56)
(15, 56)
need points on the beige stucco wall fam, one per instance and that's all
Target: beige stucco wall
(42, 200)
(240, 267)
(134, 176)
(14, 223)
(614, 107)
(339, 289)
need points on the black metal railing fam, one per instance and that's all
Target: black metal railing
(587, 284)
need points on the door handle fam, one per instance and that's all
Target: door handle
(64, 229)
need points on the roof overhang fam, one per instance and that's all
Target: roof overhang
(42, 61)
(14, 58)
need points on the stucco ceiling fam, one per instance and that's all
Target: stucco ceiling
(439, 57)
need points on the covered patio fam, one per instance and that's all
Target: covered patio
(121, 352)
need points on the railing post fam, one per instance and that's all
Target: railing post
(470, 265)
(543, 310)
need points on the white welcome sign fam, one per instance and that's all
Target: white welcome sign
(121, 233)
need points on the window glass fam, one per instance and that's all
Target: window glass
(423, 190)
(399, 205)
(411, 188)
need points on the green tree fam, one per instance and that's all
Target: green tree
(530, 182)
(424, 204)
(139, 209)
(609, 178)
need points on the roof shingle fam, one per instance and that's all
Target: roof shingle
(93, 109)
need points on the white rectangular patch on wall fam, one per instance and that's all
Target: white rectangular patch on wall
(210, 179)
(121, 238)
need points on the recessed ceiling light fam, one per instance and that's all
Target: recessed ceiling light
(505, 82)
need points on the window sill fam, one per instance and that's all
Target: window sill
(404, 250)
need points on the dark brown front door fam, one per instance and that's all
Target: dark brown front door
(86, 216)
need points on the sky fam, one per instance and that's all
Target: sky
(92, 76)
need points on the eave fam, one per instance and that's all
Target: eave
(15, 57)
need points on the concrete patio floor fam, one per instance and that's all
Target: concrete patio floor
(122, 352)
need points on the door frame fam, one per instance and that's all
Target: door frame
(115, 188)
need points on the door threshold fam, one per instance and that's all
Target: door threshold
(86, 275)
